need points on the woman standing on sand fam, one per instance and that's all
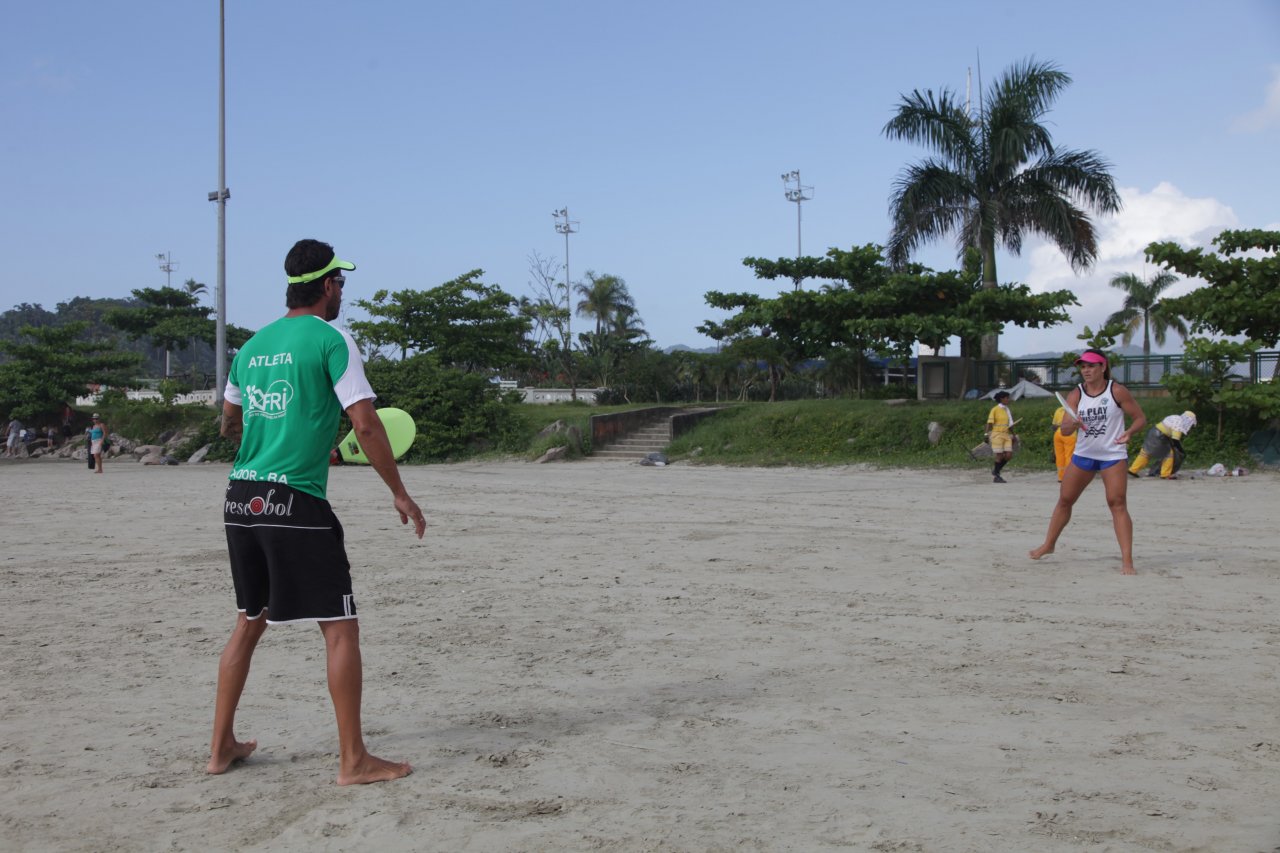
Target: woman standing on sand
(1101, 447)
(97, 442)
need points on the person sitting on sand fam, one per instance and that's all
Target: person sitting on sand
(1102, 405)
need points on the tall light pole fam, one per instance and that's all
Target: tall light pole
(799, 194)
(167, 266)
(567, 226)
(221, 195)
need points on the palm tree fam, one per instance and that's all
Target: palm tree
(603, 296)
(195, 288)
(996, 175)
(1144, 309)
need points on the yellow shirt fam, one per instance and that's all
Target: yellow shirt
(999, 420)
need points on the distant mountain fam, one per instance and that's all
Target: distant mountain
(683, 348)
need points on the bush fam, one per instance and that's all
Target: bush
(458, 414)
(220, 449)
(144, 420)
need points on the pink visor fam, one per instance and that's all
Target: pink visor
(1091, 358)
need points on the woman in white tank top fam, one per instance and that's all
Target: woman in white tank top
(1101, 405)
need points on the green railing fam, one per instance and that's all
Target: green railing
(1134, 371)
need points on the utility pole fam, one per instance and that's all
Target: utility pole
(566, 226)
(167, 266)
(221, 195)
(799, 194)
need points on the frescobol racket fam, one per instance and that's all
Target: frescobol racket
(1070, 411)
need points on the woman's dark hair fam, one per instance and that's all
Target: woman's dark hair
(306, 256)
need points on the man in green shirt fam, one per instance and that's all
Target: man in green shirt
(286, 390)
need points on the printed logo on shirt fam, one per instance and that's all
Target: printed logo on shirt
(270, 360)
(270, 402)
(1095, 418)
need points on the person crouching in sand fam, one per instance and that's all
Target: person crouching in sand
(1101, 447)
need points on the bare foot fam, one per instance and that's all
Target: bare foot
(1037, 553)
(374, 769)
(223, 759)
(1128, 570)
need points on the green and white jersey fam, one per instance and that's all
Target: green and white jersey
(292, 381)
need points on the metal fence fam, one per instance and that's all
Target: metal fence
(1133, 371)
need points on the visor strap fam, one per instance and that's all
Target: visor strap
(312, 276)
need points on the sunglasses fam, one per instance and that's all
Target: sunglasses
(340, 280)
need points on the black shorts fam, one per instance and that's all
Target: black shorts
(287, 556)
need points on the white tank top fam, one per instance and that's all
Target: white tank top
(1102, 422)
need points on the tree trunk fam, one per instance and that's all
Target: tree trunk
(990, 349)
(1146, 350)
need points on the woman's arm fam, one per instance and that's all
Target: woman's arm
(1137, 418)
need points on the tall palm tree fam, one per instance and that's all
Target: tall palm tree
(1143, 309)
(603, 297)
(195, 288)
(996, 175)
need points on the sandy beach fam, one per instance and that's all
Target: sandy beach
(605, 656)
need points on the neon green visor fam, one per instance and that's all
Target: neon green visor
(334, 264)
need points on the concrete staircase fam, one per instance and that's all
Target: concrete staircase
(652, 437)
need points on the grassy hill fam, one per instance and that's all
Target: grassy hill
(842, 432)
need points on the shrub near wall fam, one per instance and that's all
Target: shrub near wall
(458, 414)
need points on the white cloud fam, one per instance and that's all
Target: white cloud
(1164, 213)
(1267, 115)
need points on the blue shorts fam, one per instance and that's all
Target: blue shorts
(1084, 463)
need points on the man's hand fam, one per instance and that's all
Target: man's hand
(408, 509)
(373, 440)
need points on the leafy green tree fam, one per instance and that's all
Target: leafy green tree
(1143, 309)
(463, 323)
(997, 175)
(1209, 379)
(868, 306)
(13, 321)
(168, 317)
(195, 288)
(603, 298)
(52, 365)
(457, 413)
(619, 332)
(1242, 292)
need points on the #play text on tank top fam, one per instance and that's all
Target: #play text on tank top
(1101, 423)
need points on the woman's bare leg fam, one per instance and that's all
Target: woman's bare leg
(1117, 486)
(1074, 480)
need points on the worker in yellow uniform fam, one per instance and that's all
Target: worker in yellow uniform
(1063, 445)
(999, 434)
(1163, 444)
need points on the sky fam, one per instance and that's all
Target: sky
(424, 139)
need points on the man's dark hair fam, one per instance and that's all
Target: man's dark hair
(307, 256)
(1001, 395)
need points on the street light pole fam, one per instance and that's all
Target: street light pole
(566, 226)
(799, 194)
(167, 266)
(220, 196)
